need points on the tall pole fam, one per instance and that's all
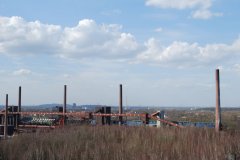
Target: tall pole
(6, 118)
(65, 102)
(218, 105)
(120, 104)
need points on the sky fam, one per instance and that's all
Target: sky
(164, 52)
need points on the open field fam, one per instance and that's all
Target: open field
(230, 118)
(118, 143)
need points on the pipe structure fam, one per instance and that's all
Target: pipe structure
(120, 104)
(6, 119)
(65, 102)
(218, 105)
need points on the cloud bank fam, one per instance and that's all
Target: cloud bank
(89, 39)
(86, 39)
(184, 54)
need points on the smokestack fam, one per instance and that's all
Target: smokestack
(218, 105)
(64, 103)
(19, 106)
(6, 119)
(120, 103)
(19, 99)
(65, 100)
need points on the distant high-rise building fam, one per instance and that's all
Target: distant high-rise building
(74, 105)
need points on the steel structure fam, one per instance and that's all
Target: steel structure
(90, 115)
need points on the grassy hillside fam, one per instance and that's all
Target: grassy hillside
(121, 143)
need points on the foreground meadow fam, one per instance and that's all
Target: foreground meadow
(121, 143)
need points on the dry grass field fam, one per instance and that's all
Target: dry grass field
(230, 118)
(121, 143)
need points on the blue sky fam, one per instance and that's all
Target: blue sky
(163, 52)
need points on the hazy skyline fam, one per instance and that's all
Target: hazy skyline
(163, 52)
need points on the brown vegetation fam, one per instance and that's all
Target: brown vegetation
(121, 143)
(230, 119)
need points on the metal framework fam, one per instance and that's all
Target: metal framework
(89, 115)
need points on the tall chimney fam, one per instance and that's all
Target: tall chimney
(6, 119)
(19, 99)
(218, 105)
(19, 106)
(64, 103)
(120, 104)
(65, 100)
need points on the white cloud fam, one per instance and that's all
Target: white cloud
(201, 7)
(180, 4)
(21, 37)
(205, 14)
(87, 39)
(158, 29)
(182, 54)
(22, 72)
(91, 40)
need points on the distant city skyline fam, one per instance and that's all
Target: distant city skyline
(163, 52)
